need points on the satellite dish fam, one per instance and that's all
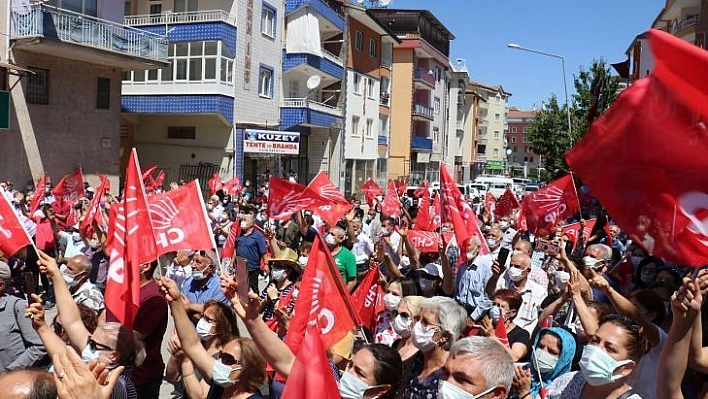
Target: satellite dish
(384, 3)
(313, 81)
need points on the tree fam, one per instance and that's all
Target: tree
(595, 90)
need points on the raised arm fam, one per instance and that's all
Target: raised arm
(698, 355)
(52, 343)
(448, 281)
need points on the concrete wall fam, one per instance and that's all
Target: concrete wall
(400, 117)
(68, 132)
(357, 144)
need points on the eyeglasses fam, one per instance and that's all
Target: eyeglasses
(96, 346)
(631, 324)
(228, 359)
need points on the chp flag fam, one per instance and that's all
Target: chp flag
(271, 142)
(544, 208)
(13, 235)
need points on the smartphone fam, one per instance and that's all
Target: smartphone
(503, 255)
(30, 286)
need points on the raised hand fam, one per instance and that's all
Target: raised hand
(76, 380)
(48, 265)
(35, 312)
(169, 289)
(521, 383)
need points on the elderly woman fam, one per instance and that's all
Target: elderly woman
(440, 322)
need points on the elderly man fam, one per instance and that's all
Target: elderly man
(20, 346)
(537, 274)
(251, 245)
(345, 260)
(472, 279)
(477, 367)
(516, 278)
(76, 273)
(28, 384)
(599, 258)
(204, 283)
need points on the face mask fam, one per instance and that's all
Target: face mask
(589, 261)
(471, 255)
(351, 387)
(69, 278)
(220, 374)
(223, 218)
(204, 329)
(402, 326)
(448, 390)
(330, 240)
(503, 225)
(426, 286)
(87, 355)
(598, 367)
(495, 313)
(647, 278)
(198, 275)
(278, 274)
(302, 261)
(76, 237)
(516, 252)
(244, 225)
(94, 244)
(391, 301)
(546, 361)
(422, 337)
(210, 207)
(636, 260)
(561, 278)
(491, 243)
(515, 274)
(641, 228)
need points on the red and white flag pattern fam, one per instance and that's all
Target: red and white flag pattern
(286, 198)
(70, 188)
(38, 195)
(367, 300)
(507, 204)
(94, 212)
(572, 230)
(13, 236)
(310, 376)
(391, 206)
(328, 202)
(424, 241)
(215, 183)
(457, 211)
(371, 190)
(545, 208)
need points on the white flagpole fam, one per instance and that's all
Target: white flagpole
(206, 221)
(142, 189)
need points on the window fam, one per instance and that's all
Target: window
(513, 140)
(268, 20)
(127, 8)
(355, 126)
(496, 152)
(357, 83)
(436, 105)
(186, 5)
(372, 48)
(513, 129)
(359, 41)
(88, 7)
(370, 87)
(155, 9)
(182, 132)
(496, 135)
(38, 86)
(438, 74)
(436, 134)
(265, 82)
(526, 129)
(496, 117)
(103, 93)
(530, 159)
(369, 127)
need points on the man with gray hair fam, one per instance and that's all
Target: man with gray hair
(76, 274)
(471, 280)
(477, 367)
(599, 258)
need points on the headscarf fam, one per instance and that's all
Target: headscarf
(565, 358)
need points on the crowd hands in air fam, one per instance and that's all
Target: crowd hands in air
(599, 318)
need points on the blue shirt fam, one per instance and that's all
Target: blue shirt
(472, 284)
(197, 293)
(252, 247)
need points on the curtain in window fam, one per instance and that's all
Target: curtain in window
(303, 33)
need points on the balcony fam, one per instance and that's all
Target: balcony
(188, 17)
(383, 139)
(421, 144)
(385, 99)
(480, 157)
(422, 77)
(308, 113)
(423, 112)
(66, 34)
(322, 8)
(386, 63)
(328, 63)
(481, 139)
(685, 24)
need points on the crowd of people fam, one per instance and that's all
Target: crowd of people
(591, 316)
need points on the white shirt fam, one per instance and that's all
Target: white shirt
(392, 250)
(71, 246)
(362, 248)
(532, 296)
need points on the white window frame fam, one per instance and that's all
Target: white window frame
(355, 126)
(357, 83)
(436, 105)
(369, 127)
(359, 40)
(370, 87)
(496, 135)
(268, 25)
(266, 79)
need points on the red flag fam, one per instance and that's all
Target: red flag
(572, 230)
(229, 248)
(424, 241)
(38, 195)
(622, 272)
(424, 219)
(435, 212)
(147, 173)
(323, 301)
(606, 228)
(544, 208)
(371, 190)
(367, 300)
(391, 205)
(329, 202)
(94, 209)
(656, 129)
(310, 375)
(233, 186)
(179, 221)
(490, 203)
(13, 236)
(215, 184)
(285, 198)
(457, 211)
(507, 204)
(400, 186)
(500, 330)
(521, 219)
(70, 188)
(132, 244)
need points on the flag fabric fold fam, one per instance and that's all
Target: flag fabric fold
(94, 212)
(328, 202)
(552, 203)
(391, 206)
(69, 189)
(310, 376)
(371, 190)
(367, 300)
(13, 235)
(215, 183)
(38, 195)
(507, 204)
(424, 241)
(285, 198)
(424, 219)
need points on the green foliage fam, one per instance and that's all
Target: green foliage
(595, 90)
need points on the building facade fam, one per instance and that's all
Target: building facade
(63, 62)
(458, 138)
(491, 157)
(522, 161)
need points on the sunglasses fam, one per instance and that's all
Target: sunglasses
(228, 359)
(97, 346)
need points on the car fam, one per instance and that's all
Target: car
(529, 188)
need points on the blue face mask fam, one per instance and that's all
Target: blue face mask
(89, 354)
(198, 275)
(220, 374)
(495, 313)
(598, 367)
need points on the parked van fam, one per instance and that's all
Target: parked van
(496, 184)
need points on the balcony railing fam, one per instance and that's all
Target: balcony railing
(385, 99)
(421, 143)
(29, 21)
(326, 54)
(312, 105)
(180, 18)
(423, 75)
(686, 23)
(424, 111)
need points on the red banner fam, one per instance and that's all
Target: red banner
(38, 195)
(367, 300)
(371, 190)
(13, 236)
(551, 204)
(391, 206)
(457, 211)
(507, 204)
(215, 184)
(69, 189)
(572, 230)
(424, 241)
(286, 198)
(310, 376)
(94, 212)
(329, 202)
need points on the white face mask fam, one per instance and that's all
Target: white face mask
(302, 261)
(515, 274)
(448, 390)
(503, 225)
(598, 367)
(422, 337)
(350, 387)
(491, 243)
(401, 326)
(330, 240)
(244, 225)
(590, 261)
(204, 329)
(561, 278)
(279, 274)
(546, 361)
(391, 301)
(471, 255)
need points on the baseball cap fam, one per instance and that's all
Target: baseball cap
(433, 270)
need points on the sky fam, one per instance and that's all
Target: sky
(578, 30)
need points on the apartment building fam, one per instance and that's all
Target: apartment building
(62, 65)
(458, 137)
(491, 142)
(419, 93)
(522, 161)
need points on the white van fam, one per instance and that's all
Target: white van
(496, 184)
